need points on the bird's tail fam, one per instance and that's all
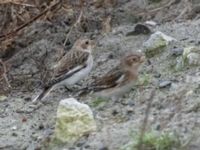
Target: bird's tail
(84, 91)
(43, 94)
(90, 89)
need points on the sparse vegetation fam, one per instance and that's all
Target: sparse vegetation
(155, 1)
(144, 79)
(98, 101)
(155, 141)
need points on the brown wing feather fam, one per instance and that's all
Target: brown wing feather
(70, 61)
(109, 80)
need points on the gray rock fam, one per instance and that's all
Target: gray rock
(155, 44)
(191, 55)
(177, 51)
(139, 29)
(164, 84)
(3, 98)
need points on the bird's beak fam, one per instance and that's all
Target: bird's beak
(142, 59)
(93, 44)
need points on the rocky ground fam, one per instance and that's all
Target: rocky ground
(175, 107)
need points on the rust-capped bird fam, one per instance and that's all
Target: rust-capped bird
(72, 67)
(118, 80)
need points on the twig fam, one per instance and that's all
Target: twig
(72, 27)
(17, 3)
(5, 73)
(81, 4)
(157, 9)
(7, 35)
(144, 124)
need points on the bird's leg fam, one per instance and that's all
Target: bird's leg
(74, 88)
(6, 79)
(69, 89)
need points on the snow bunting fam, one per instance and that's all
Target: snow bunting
(119, 80)
(73, 66)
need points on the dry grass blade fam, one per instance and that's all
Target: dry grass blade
(3, 73)
(144, 124)
(16, 2)
(106, 25)
(72, 27)
(168, 4)
(12, 33)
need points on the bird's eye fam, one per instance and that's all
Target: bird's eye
(134, 59)
(87, 42)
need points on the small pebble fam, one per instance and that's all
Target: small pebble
(24, 119)
(164, 84)
(114, 112)
(104, 148)
(14, 128)
(157, 75)
(80, 144)
(158, 127)
(151, 23)
(131, 102)
(87, 146)
(139, 29)
(14, 134)
(177, 51)
(41, 126)
(3, 98)
(129, 110)
(110, 56)
(27, 99)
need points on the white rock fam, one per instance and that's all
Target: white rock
(156, 42)
(3, 98)
(74, 119)
(151, 23)
(191, 55)
(167, 38)
(14, 128)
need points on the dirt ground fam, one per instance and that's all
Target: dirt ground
(175, 107)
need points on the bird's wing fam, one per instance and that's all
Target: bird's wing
(71, 63)
(111, 79)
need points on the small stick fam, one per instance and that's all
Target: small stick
(4, 73)
(29, 22)
(144, 124)
(72, 27)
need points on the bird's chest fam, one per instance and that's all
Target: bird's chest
(80, 74)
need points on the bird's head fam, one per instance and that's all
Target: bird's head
(132, 61)
(84, 45)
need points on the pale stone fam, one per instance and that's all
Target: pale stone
(74, 119)
(2, 98)
(191, 55)
(151, 23)
(155, 44)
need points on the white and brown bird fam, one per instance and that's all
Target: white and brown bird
(72, 67)
(118, 80)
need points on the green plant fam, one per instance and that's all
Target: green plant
(98, 101)
(155, 141)
(155, 1)
(144, 79)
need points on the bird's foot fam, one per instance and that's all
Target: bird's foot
(70, 89)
